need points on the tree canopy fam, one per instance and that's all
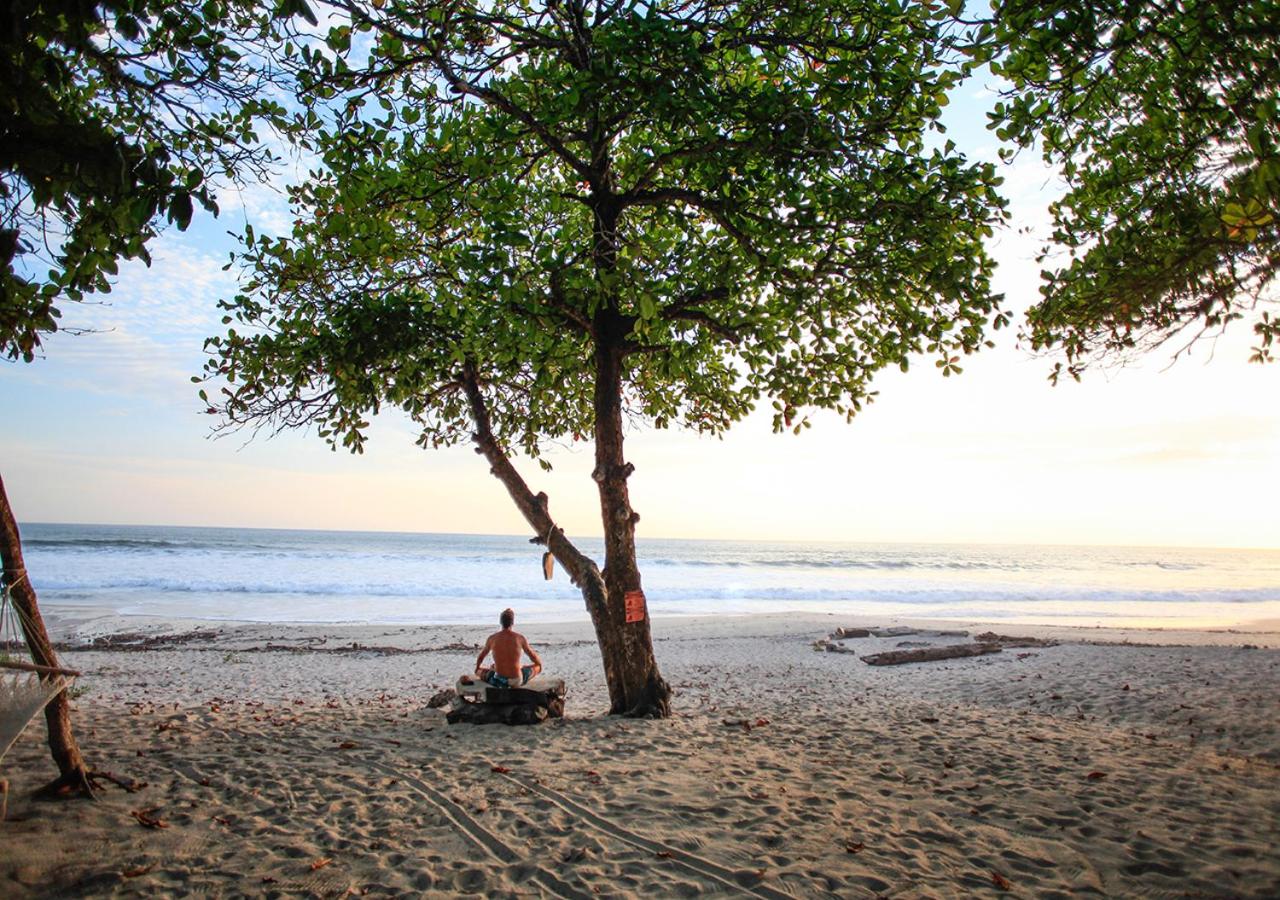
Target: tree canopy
(773, 223)
(114, 114)
(1164, 117)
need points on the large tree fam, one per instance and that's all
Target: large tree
(115, 116)
(1164, 118)
(538, 221)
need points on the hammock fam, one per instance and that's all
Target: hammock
(23, 694)
(25, 688)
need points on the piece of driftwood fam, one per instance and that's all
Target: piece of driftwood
(496, 714)
(1008, 640)
(929, 654)
(508, 706)
(441, 699)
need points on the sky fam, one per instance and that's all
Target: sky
(108, 429)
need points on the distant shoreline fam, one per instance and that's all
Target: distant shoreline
(78, 627)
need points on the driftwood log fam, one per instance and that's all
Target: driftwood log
(929, 654)
(1009, 640)
(508, 706)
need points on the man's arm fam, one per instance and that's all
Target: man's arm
(484, 651)
(533, 654)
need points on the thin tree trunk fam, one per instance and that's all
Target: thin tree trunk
(74, 775)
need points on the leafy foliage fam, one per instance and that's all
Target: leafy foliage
(113, 114)
(739, 196)
(1165, 119)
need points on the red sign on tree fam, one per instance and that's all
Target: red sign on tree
(635, 606)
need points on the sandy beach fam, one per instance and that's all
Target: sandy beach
(303, 761)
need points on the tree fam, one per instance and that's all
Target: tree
(540, 222)
(114, 115)
(1164, 117)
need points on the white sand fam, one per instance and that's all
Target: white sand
(1147, 768)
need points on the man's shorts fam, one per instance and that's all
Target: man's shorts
(502, 681)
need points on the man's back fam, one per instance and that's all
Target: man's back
(506, 646)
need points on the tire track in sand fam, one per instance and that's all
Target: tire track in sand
(696, 864)
(486, 840)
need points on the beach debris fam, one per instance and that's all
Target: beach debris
(929, 654)
(137, 871)
(851, 633)
(347, 745)
(138, 641)
(321, 863)
(130, 785)
(1006, 640)
(1096, 776)
(894, 631)
(854, 846)
(147, 818)
(442, 698)
(1000, 881)
(501, 770)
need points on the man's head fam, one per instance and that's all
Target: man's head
(508, 618)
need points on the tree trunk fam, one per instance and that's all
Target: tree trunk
(630, 678)
(74, 775)
(636, 687)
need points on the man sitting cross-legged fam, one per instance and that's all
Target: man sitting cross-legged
(507, 646)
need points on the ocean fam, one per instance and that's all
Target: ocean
(266, 575)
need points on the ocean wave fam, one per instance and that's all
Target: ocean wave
(1021, 594)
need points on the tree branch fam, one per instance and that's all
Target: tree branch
(582, 570)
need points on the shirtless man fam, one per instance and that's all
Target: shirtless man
(507, 646)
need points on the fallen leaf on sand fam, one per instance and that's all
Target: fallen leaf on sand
(222, 820)
(137, 871)
(1000, 881)
(760, 723)
(663, 854)
(1094, 776)
(854, 846)
(501, 770)
(321, 863)
(146, 818)
(347, 745)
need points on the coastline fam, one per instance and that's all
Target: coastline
(1122, 761)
